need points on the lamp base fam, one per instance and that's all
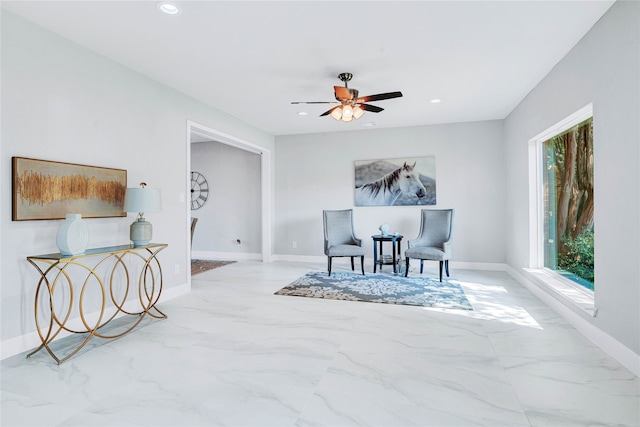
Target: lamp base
(140, 232)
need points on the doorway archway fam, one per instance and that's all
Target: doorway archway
(196, 131)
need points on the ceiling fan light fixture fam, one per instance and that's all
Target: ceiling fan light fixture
(337, 113)
(350, 106)
(347, 113)
(357, 112)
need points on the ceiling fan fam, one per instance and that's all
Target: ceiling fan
(350, 105)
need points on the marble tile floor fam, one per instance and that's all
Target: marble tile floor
(233, 354)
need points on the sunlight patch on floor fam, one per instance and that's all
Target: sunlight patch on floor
(487, 307)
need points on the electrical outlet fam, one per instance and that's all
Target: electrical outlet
(294, 244)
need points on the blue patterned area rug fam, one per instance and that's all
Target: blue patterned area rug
(381, 288)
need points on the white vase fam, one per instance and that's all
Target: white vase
(73, 235)
(384, 229)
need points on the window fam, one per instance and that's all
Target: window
(562, 202)
(567, 175)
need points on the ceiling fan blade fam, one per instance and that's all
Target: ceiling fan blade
(342, 93)
(380, 97)
(326, 113)
(372, 108)
(313, 102)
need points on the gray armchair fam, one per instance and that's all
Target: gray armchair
(339, 237)
(434, 240)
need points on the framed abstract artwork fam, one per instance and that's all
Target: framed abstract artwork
(396, 182)
(44, 189)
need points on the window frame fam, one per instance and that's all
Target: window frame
(544, 276)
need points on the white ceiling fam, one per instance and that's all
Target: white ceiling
(252, 58)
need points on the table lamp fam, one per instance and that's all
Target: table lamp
(142, 200)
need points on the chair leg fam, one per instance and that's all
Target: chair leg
(421, 265)
(329, 264)
(406, 267)
(441, 262)
(446, 267)
(352, 266)
(362, 264)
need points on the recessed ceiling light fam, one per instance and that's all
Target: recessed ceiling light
(169, 8)
(302, 113)
(368, 124)
(435, 101)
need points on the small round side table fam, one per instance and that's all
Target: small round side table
(379, 259)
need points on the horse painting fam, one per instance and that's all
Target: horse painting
(385, 191)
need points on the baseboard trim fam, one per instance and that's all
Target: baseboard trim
(31, 340)
(623, 354)
(462, 265)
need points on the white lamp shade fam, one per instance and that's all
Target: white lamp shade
(337, 113)
(347, 113)
(357, 112)
(142, 200)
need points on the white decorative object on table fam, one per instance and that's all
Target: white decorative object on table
(73, 235)
(384, 229)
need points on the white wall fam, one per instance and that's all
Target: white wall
(63, 102)
(603, 69)
(232, 211)
(316, 172)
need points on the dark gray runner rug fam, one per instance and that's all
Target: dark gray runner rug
(202, 265)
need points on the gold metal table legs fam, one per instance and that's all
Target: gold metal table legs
(77, 296)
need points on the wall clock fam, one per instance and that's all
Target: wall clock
(199, 190)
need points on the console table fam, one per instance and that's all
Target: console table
(395, 256)
(106, 275)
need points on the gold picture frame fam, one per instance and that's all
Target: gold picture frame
(44, 189)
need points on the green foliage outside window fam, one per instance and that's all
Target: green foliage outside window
(578, 258)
